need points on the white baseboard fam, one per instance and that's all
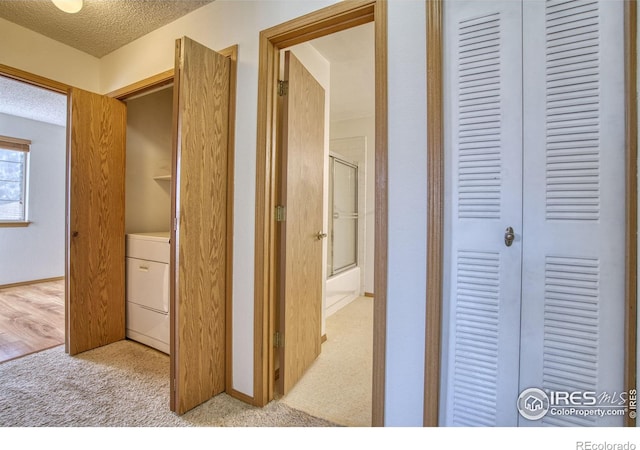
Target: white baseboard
(338, 305)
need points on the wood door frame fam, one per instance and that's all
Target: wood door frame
(435, 213)
(631, 198)
(166, 78)
(34, 80)
(60, 88)
(334, 18)
(435, 206)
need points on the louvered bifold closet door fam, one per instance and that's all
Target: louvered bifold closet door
(483, 94)
(573, 266)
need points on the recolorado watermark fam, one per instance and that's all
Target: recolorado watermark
(535, 403)
(590, 445)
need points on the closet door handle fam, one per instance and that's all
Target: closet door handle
(509, 236)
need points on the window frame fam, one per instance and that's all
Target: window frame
(19, 145)
(331, 269)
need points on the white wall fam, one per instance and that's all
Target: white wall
(224, 23)
(366, 127)
(149, 146)
(25, 50)
(37, 251)
(407, 183)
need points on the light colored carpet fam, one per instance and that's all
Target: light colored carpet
(337, 387)
(124, 384)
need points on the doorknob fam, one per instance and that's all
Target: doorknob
(320, 235)
(509, 236)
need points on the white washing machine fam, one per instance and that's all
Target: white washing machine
(147, 289)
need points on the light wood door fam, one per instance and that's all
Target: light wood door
(300, 262)
(95, 312)
(198, 241)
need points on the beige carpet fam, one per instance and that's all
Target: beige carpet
(337, 387)
(124, 384)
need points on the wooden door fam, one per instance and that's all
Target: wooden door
(300, 263)
(95, 312)
(198, 240)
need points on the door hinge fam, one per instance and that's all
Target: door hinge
(278, 340)
(283, 88)
(281, 213)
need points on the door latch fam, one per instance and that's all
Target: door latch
(509, 236)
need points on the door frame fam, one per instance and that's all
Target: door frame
(435, 206)
(166, 78)
(34, 80)
(334, 18)
(61, 88)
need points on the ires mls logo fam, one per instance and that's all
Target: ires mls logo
(534, 403)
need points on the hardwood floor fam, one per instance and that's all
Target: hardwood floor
(31, 318)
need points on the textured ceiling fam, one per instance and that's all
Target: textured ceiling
(31, 102)
(102, 26)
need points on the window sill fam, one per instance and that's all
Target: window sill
(14, 224)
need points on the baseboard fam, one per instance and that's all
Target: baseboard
(368, 294)
(337, 306)
(26, 283)
(242, 397)
(149, 341)
(323, 339)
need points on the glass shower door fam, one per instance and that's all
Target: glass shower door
(343, 254)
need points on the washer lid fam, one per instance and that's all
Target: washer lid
(161, 236)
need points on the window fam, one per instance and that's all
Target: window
(14, 158)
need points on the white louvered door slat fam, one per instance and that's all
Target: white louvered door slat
(484, 135)
(573, 265)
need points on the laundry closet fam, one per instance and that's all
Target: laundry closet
(151, 184)
(148, 217)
